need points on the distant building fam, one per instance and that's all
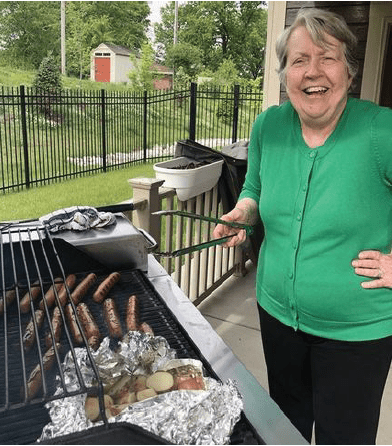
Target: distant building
(165, 82)
(111, 63)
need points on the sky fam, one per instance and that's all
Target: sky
(155, 16)
(155, 7)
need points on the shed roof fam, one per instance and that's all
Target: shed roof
(117, 49)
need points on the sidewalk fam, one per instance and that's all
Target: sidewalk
(231, 310)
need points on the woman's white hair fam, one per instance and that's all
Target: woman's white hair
(318, 23)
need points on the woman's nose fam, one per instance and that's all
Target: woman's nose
(313, 68)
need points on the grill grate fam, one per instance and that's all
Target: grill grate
(28, 255)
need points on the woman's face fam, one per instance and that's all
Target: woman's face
(317, 79)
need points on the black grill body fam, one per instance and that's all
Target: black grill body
(34, 255)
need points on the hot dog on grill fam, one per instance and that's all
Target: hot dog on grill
(81, 290)
(93, 342)
(32, 294)
(63, 295)
(50, 294)
(29, 334)
(90, 327)
(9, 298)
(112, 318)
(146, 328)
(73, 324)
(56, 326)
(35, 380)
(104, 288)
(133, 314)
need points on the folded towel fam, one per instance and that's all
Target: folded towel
(77, 218)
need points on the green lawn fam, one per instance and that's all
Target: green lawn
(93, 190)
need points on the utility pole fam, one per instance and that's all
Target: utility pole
(63, 71)
(175, 22)
(175, 36)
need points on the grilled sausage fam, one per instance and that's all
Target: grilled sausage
(146, 328)
(32, 294)
(56, 326)
(50, 295)
(29, 334)
(81, 290)
(93, 342)
(112, 318)
(104, 288)
(34, 382)
(70, 282)
(9, 298)
(90, 327)
(73, 324)
(133, 314)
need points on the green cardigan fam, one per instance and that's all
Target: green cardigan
(320, 208)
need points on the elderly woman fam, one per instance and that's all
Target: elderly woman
(320, 177)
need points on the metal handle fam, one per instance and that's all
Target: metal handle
(153, 243)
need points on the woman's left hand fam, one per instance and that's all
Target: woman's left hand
(376, 265)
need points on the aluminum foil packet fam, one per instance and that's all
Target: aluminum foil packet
(203, 416)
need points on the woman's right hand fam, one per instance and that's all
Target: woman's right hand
(238, 216)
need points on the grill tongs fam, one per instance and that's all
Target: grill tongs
(200, 246)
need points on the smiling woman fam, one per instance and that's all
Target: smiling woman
(317, 83)
(317, 67)
(319, 175)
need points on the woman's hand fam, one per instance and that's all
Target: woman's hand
(236, 215)
(376, 265)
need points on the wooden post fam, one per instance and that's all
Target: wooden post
(147, 189)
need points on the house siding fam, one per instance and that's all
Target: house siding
(356, 15)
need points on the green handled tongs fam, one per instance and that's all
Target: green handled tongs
(209, 244)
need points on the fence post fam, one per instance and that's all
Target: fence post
(24, 135)
(145, 126)
(192, 113)
(103, 130)
(235, 113)
(147, 189)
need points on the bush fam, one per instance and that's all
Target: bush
(48, 84)
(48, 77)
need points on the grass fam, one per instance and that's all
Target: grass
(93, 190)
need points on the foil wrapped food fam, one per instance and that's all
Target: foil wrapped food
(181, 417)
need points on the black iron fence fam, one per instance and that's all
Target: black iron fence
(48, 137)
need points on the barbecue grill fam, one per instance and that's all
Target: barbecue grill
(31, 257)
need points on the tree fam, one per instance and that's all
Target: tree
(186, 56)
(28, 30)
(48, 77)
(221, 30)
(48, 84)
(142, 76)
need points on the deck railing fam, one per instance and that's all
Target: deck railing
(197, 273)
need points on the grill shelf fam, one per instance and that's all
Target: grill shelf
(23, 420)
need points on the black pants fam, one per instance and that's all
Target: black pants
(336, 385)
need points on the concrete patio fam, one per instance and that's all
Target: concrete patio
(231, 311)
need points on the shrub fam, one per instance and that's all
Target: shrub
(48, 77)
(48, 85)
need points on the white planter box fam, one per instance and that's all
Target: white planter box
(188, 182)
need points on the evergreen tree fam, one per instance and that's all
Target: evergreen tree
(48, 77)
